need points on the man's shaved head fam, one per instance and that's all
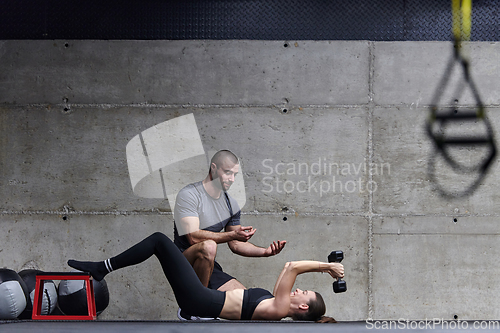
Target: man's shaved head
(223, 155)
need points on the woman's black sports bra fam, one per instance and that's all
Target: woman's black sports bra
(251, 298)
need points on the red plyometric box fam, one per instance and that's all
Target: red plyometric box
(37, 302)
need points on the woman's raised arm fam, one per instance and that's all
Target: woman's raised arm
(286, 280)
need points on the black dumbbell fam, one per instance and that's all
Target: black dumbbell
(340, 285)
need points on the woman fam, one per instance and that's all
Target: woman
(239, 304)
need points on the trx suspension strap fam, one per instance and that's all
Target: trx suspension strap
(442, 119)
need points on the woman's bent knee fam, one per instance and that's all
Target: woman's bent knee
(159, 237)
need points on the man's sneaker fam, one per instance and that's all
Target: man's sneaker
(184, 316)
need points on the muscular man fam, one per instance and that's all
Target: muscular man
(202, 211)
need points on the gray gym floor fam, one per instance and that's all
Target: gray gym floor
(223, 326)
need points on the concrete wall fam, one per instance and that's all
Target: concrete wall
(69, 108)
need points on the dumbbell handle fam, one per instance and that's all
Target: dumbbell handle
(339, 286)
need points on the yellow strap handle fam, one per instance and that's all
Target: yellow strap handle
(461, 19)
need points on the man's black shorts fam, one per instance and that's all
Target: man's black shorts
(219, 277)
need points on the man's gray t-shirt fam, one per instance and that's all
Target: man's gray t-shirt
(214, 215)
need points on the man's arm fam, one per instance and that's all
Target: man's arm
(247, 249)
(190, 225)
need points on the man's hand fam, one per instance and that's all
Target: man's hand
(275, 248)
(243, 234)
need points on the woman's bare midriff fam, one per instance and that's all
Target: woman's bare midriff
(232, 305)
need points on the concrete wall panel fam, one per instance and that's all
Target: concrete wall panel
(426, 268)
(409, 73)
(180, 72)
(287, 158)
(403, 147)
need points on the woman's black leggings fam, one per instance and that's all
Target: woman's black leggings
(192, 297)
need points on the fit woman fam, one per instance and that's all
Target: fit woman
(239, 304)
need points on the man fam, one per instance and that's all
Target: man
(202, 210)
